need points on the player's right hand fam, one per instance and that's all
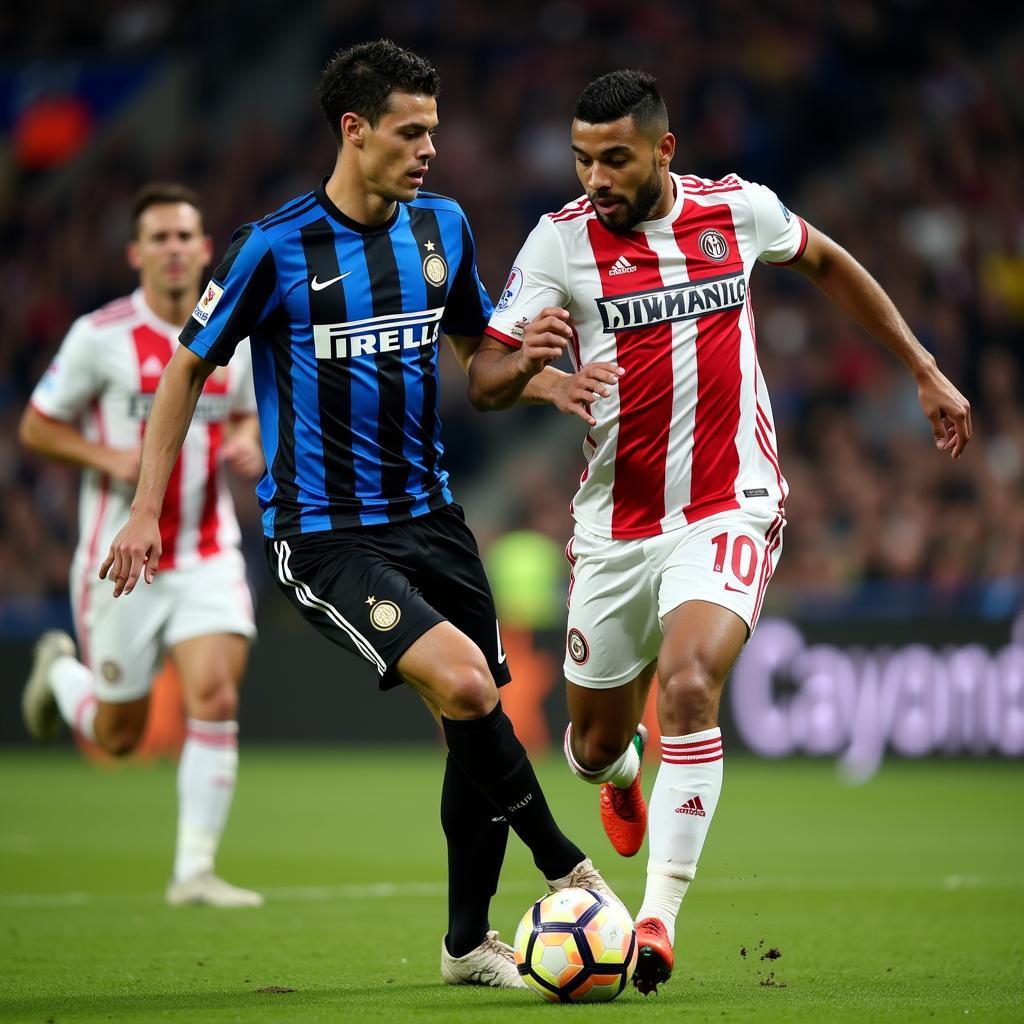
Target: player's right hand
(544, 339)
(134, 552)
(575, 392)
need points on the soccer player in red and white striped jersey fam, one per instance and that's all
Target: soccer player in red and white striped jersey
(680, 511)
(91, 409)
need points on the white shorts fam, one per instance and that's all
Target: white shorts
(124, 640)
(621, 590)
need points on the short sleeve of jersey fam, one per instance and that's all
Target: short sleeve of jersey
(535, 281)
(72, 380)
(241, 294)
(243, 393)
(467, 306)
(781, 234)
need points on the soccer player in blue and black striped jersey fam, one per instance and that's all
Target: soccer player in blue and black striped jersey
(345, 293)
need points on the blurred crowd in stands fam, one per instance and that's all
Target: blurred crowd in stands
(895, 128)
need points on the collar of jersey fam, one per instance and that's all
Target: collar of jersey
(353, 225)
(673, 213)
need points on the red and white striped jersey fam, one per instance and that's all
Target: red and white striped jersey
(103, 379)
(688, 430)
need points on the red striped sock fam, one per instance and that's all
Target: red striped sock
(682, 805)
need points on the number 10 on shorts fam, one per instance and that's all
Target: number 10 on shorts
(744, 556)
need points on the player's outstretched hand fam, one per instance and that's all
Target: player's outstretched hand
(244, 456)
(134, 551)
(948, 411)
(575, 392)
(544, 339)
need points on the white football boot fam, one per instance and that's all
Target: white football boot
(207, 890)
(585, 876)
(492, 964)
(38, 703)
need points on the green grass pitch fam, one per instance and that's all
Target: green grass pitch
(902, 900)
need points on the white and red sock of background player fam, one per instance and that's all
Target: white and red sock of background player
(207, 770)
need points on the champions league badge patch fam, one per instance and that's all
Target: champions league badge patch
(513, 286)
(207, 302)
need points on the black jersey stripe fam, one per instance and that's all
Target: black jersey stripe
(426, 229)
(334, 376)
(287, 212)
(238, 239)
(254, 299)
(386, 297)
(274, 333)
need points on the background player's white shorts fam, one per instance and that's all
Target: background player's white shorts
(124, 640)
(620, 590)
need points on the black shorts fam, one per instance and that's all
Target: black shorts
(375, 590)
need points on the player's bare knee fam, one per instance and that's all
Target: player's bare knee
(596, 749)
(119, 740)
(689, 696)
(216, 704)
(471, 692)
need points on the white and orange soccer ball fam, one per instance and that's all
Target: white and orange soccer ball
(575, 946)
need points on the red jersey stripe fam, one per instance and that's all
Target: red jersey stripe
(645, 390)
(209, 523)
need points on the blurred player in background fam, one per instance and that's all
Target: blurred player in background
(679, 515)
(345, 292)
(91, 409)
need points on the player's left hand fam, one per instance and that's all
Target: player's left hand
(244, 456)
(948, 411)
(574, 392)
(134, 552)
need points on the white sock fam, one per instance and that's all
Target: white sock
(73, 686)
(620, 773)
(206, 785)
(682, 805)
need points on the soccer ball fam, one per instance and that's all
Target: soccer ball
(575, 946)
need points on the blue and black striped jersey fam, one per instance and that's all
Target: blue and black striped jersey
(344, 322)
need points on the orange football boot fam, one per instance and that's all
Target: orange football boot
(655, 959)
(624, 811)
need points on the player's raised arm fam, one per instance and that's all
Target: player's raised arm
(850, 287)
(136, 548)
(500, 376)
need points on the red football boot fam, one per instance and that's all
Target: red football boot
(655, 959)
(624, 811)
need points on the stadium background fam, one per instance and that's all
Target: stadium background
(894, 621)
(910, 156)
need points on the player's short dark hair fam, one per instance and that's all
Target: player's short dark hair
(625, 93)
(157, 193)
(361, 78)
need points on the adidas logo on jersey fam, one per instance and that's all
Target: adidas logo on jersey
(152, 367)
(621, 266)
(692, 806)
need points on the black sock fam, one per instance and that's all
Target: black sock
(476, 849)
(488, 751)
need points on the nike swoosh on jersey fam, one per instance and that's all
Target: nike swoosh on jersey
(501, 650)
(319, 286)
